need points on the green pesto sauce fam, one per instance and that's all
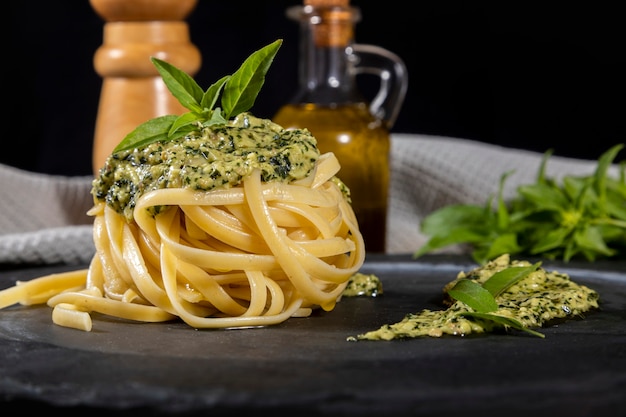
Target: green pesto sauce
(367, 285)
(540, 297)
(217, 156)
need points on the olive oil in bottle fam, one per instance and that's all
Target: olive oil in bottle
(329, 105)
(361, 144)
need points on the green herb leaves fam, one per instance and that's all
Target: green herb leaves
(582, 217)
(238, 94)
(474, 295)
(482, 298)
(502, 280)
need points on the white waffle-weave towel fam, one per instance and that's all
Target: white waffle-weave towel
(43, 218)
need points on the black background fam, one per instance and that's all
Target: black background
(530, 75)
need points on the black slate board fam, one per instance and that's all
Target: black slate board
(306, 366)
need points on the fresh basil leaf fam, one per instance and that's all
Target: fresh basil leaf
(209, 98)
(588, 201)
(570, 250)
(503, 212)
(181, 85)
(240, 96)
(573, 187)
(455, 236)
(153, 130)
(541, 173)
(605, 161)
(453, 216)
(583, 216)
(590, 238)
(504, 279)
(504, 243)
(504, 321)
(615, 206)
(551, 240)
(242, 88)
(216, 118)
(543, 196)
(474, 295)
(184, 121)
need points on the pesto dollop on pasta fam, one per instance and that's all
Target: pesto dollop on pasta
(217, 156)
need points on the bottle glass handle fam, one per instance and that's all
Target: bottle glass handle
(375, 60)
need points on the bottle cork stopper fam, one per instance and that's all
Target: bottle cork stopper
(336, 25)
(327, 3)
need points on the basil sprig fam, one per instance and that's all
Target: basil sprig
(584, 216)
(482, 298)
(238, 94)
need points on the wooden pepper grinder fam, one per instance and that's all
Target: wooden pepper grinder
(132, 89)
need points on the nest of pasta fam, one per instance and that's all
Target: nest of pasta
(251, 255)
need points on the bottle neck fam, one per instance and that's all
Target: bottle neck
(326, 71)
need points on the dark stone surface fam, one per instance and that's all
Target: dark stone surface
(306, 366)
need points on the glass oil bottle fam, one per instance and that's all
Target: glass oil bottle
(329, 104)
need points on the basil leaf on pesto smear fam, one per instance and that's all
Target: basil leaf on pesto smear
(504, 321)
(502, 280)
(474, 295)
